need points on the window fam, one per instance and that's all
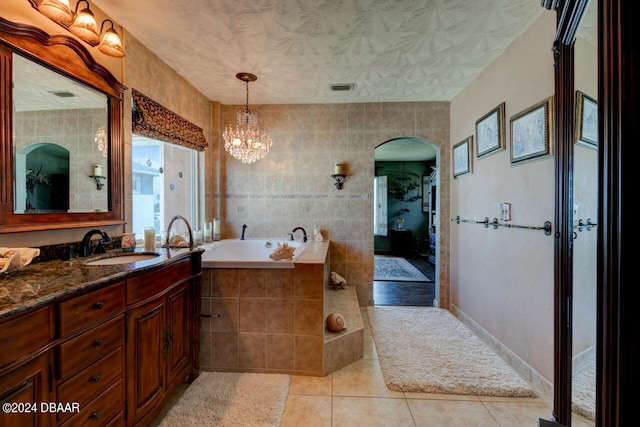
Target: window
(380, 220)
(164, 181)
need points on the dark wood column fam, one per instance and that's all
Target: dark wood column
(618, 352)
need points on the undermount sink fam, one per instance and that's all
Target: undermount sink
(126, 258)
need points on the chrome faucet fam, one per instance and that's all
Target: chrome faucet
(166, 244)
(85, 245)
(304, 237)
(244, 227)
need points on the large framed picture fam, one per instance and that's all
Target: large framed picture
(586, 120)
(462, 157)
(531, 133)
(490, 132)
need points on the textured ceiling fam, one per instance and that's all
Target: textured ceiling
(393, 50)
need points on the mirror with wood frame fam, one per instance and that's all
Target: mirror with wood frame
(60, 143)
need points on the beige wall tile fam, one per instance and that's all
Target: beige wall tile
(224, 314)
(308, 353)
(280, 316)
(280, 352)
(224, 350)
(252, 351)
(252, 283)
(253, 315)
(307, 314)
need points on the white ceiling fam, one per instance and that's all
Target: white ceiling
(393, 50)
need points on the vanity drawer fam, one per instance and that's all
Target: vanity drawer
(150, 284)
(81, 311)
(90, 346)
(102, 409)
(92, 380)
(25, 334)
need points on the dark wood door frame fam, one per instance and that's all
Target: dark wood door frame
(618, 323)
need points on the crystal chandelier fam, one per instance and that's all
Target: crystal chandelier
(245, 140)
(101, 140)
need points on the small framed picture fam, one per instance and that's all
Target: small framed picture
(586, 120)
(426, 181)
(462, 157)
(490, 132)
(531, 133)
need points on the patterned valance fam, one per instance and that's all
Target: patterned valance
(155, 121)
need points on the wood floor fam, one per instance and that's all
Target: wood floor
(417, 294)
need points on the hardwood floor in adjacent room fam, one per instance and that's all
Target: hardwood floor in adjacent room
(403, 293)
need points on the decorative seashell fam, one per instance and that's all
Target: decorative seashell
(337, 279)
(176, 241)
(282, 251)
(335, 322)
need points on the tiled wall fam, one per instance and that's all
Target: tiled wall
(263, 320)
(292, 185)
(75, 131)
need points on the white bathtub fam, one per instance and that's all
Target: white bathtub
(249, 253)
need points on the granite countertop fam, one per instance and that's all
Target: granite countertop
(37, 284)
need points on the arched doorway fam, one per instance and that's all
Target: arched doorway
(405, 223)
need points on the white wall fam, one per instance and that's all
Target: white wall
(503, 279)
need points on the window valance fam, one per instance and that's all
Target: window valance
(155, 121)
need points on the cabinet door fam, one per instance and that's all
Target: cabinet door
(178, 332)
(23, 388)
(146, 350)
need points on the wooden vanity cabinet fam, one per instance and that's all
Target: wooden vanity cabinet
(90, 359)
(159, 331)
(117, 351)
(26, 367)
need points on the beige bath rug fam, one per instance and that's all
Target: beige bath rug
(231, 399)
(429, 350)
(583, 390)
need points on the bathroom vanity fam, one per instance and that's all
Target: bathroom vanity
(98, 344)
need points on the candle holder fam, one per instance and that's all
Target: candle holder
(216, 229)
(98, 179)
(339, 177)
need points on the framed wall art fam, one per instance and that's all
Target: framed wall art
(462, 157)
(531, 132)
(426, 181)
(586, 120)
(490, 132)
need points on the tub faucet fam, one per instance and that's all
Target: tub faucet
(167, 244)
(244, 227)
(304, 237)
(85, 245)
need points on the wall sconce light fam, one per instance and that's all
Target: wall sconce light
(110, 44)
(82, 24)
(57, 10)
(339, 176)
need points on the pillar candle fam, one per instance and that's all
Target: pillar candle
(149, 239)
(338, 170)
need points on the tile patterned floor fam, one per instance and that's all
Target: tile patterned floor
(357, 396)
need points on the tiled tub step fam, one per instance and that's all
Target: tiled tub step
(345, 347)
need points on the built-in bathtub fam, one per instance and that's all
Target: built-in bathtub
(261, 315)
(248, 253)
